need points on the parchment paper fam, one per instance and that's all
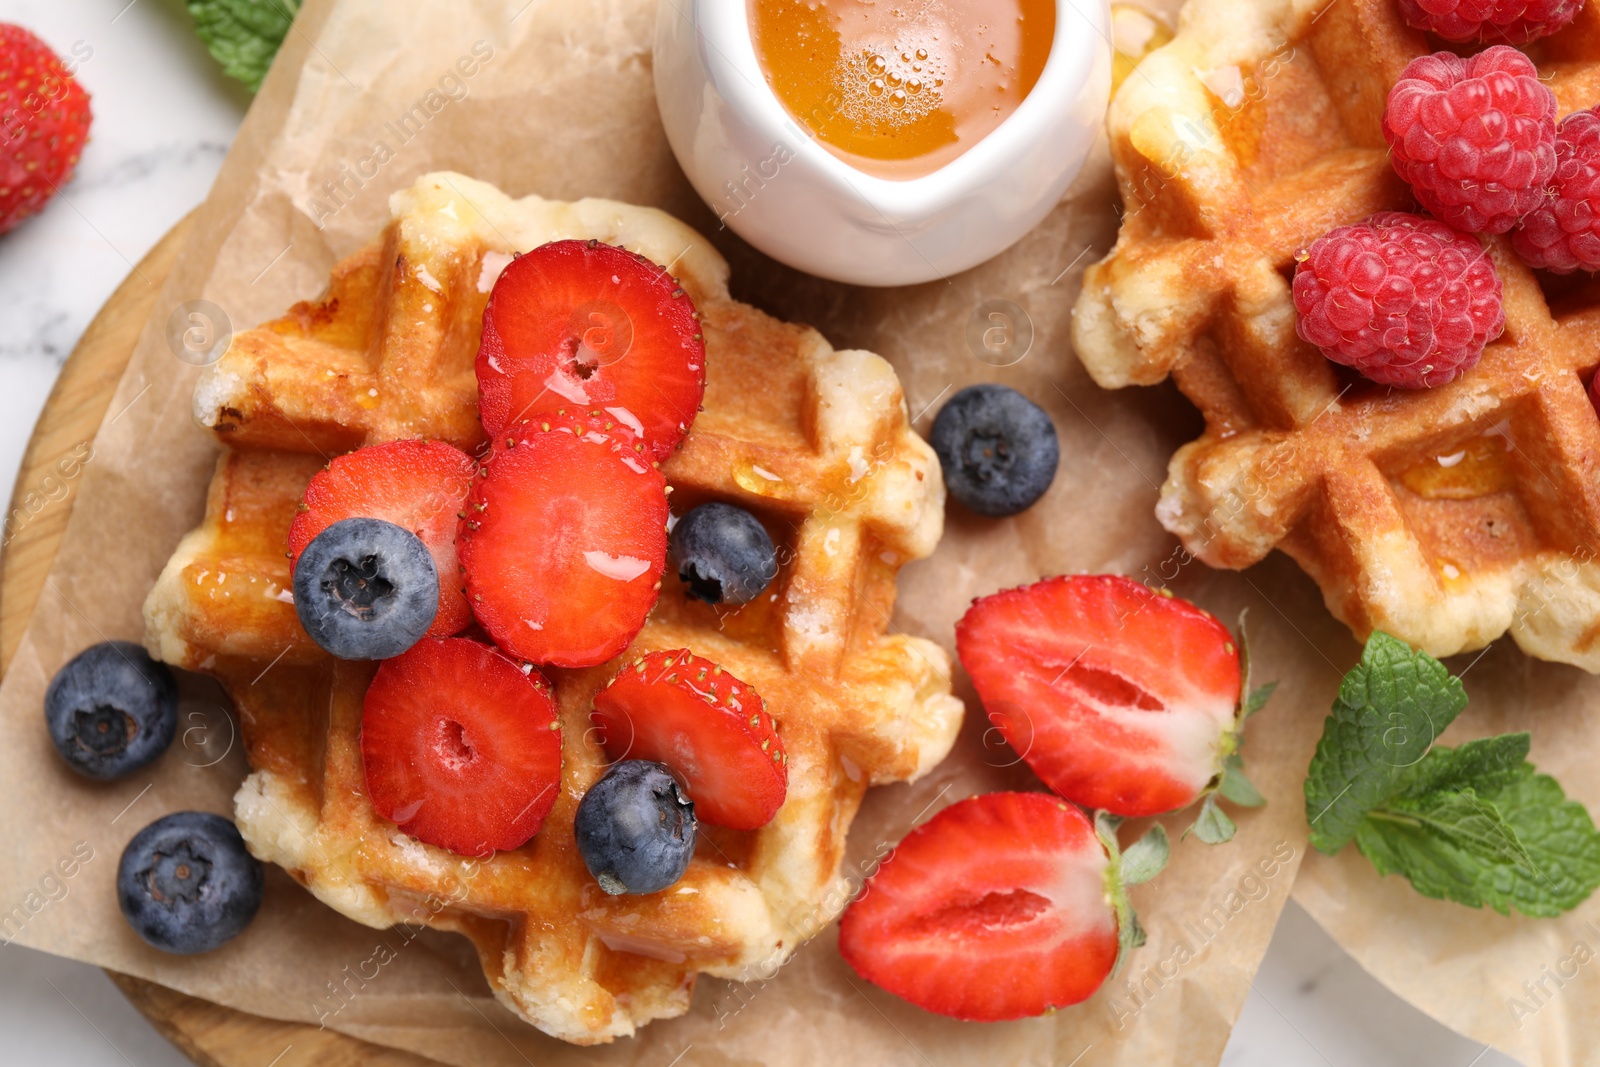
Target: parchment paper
(559, 102)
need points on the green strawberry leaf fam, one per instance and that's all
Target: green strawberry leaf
(1130, 937)
(1254, 699)
(1258, 698)
(1236, 787)
(243, 35)
(1212, 825)
(1146, 857)
(1390, 709)
(1244, 652)
(1146, 852)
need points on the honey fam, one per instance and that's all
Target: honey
(899, 88)
(753, 478)
(1452, 575)
(1479, 467)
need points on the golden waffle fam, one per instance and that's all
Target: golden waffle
(1443, 516)
(815, 442)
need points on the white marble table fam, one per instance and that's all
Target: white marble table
(163, 120)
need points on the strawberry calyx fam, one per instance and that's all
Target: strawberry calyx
(1135, 865)
(1213, 825)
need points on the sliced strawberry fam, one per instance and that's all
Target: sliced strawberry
(462, 746)
(564, 542)
(596, 326)
(1119, 697)
(1001, 906)
(419, 485)
(714, 730)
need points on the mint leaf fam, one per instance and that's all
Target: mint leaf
(1474, 824)
(1445, 843)
(243, 35)
(1480, 764)
(1390, 708)
(1557, 844)
(1519, 844)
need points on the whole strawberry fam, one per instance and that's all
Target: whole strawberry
(1506, 21)
(44, 124)
(1563, 233)
(1475, 138)
(1402, 298)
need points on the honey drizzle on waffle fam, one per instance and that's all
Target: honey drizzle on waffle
(814, 441)
(1237, 145)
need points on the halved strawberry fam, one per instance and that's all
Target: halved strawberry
(564, 540)
(714, 730)
(462, 746)
(418, 485)
(1001, 906)
(596, 326)
(1119, 697)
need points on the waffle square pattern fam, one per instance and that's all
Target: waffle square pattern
(816, 442)
(1445, 516)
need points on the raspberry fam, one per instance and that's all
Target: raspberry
(1402, 298)
(1475, 138)
(1506, 21)
(1563, 233)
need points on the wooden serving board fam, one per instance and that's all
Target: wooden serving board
(209, 1034)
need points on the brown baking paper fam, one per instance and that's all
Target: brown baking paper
(556, 98)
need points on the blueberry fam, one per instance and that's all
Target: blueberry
(998, 449)
(366, 589)
(111, 710)
(723, 554)
(187, 884)
(635, 829)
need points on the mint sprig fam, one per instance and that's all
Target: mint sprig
(1474, 824)
(1390, 709)
(243, 35)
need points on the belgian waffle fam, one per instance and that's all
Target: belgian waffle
(815, 442)
(1445, 516)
